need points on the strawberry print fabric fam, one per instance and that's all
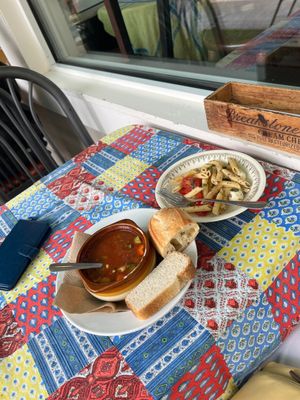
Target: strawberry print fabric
(219, 294)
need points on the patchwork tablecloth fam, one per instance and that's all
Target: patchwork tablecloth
(242, 304)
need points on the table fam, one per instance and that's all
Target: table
(240, 307)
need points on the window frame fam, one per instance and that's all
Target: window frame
(139, 67)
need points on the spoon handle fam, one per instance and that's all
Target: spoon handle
(73, 266)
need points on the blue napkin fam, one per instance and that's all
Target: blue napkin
(19, 249)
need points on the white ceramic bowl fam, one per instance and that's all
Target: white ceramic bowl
(255, 174)
(117, 290)
(121, 323)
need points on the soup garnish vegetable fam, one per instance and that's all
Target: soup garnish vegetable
(119, 251)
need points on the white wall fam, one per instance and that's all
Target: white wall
(110, 103)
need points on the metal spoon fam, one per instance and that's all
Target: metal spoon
(56, 267)
(73, 266)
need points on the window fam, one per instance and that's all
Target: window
(200, 43)
(107, 101)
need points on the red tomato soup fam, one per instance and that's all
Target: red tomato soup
(119, 251)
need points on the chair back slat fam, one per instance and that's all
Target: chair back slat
(39, 125)
(30, 133)
(20, 145)
(15, 157)
(26, 147)
(53, 90)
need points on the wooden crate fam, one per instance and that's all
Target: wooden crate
(260, 114)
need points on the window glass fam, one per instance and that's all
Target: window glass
(194, 42)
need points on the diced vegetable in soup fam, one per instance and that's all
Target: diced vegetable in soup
(119, 251)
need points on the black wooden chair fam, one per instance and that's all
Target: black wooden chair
(26, 148)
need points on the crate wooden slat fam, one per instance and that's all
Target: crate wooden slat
(260, 114)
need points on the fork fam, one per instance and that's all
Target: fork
(178, 200)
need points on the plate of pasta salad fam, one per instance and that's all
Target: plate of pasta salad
(216, 174)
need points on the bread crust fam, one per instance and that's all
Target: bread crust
(158, 303)
(186, 275)
(167, 295)
(166, 224)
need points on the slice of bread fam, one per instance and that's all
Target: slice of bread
(172, 229)
(161, 285)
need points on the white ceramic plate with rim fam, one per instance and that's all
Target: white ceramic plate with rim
(110, 324)
(255, 174)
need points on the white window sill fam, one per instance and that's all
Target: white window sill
(106, 102)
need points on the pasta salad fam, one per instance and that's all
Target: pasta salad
(213, 180)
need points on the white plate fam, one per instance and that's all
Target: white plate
(254, 172)
(110, 324)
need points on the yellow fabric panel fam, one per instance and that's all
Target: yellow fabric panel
(24, 195)
(108, 139)
(20, 378)
(259, 250)
(123, 172)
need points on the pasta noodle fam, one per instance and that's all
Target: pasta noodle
(176, 189)
(213, 180)
(236, 178)
(193, 192)
(213, 192)
(205, 173)
(214, 176)
(217, 206)
(233, 165)
(219, 175)
(205, 187)
(192, 209)
(217, 163)
(230, 184)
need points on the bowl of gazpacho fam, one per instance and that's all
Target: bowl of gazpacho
(127, 258)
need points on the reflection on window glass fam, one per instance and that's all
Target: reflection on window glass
(180, 40)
